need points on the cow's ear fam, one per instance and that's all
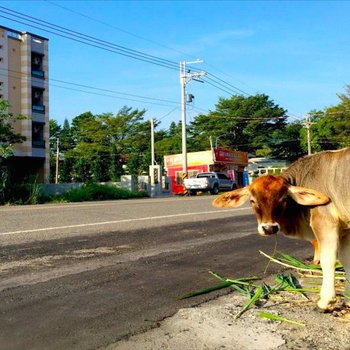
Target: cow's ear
(307, 196)
(232, 199)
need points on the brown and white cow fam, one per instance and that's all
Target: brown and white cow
(310, 200)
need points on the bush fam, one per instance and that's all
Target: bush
(97, 192)
(25, 193)
(30, 193)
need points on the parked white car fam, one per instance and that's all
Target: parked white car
(210, 181)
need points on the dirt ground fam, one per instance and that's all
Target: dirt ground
(212, 326)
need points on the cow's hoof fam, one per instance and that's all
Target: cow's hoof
(323, 311)
(326, 306)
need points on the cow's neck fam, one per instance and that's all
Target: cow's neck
(296, 224)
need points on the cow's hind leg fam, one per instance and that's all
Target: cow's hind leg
(316, 259)
(344, 256)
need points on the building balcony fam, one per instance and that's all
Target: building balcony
(37, 73)
(38, 117)
(38, 143)
(38, 108)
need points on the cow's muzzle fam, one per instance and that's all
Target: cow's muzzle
(269, 229)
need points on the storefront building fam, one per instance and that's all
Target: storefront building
(232, 163)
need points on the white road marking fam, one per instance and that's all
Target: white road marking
(121, 221)
(97, 204)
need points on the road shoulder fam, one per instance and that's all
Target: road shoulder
(212, 326)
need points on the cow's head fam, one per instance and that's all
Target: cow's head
(269, 196)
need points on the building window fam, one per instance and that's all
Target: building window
(38, 100)
(37, 65)
(38, 135)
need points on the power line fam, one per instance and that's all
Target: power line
(245, 117)
(218, 87)
(27, 76)
(224, 83)
(145, 39)
(166, 102)
(108, 46)
(81, 35)
(114, 27)
(228, 75)
(106, 95)
(85, 39)
(165, 115)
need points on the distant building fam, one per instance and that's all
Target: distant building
(24, 83)
(262, 165)
(218, 159)
(262, 162)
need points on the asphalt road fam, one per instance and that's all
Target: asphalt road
(82, 276)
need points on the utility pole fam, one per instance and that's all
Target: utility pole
(57, 159)
(152, 142)
(307, 124)
(185, 77)
(154, 169)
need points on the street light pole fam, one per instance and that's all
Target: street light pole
(307, 124)
(218, 137)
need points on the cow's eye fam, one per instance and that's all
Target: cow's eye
(252, 201)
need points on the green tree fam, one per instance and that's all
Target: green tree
(81, 127)
(330, 128)
(168, 141)
(288, 142)
(55, 130)
(103, 143)
(8, 138)
(65, 136)
(129, 137)
(91, 148)
(244, 123)
(139, 157)
(333, 128)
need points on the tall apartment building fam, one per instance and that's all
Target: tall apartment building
(24, 83)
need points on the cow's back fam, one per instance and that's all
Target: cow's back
(327, 172)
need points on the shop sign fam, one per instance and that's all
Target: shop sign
(193, 158)
(228, 156)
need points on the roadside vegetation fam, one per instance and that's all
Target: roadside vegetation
(287, 288)
(97, 192)
(31, 193)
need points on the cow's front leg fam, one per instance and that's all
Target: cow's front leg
(344, 256)
(329, 247)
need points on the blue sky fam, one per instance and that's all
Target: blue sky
(296, 52)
